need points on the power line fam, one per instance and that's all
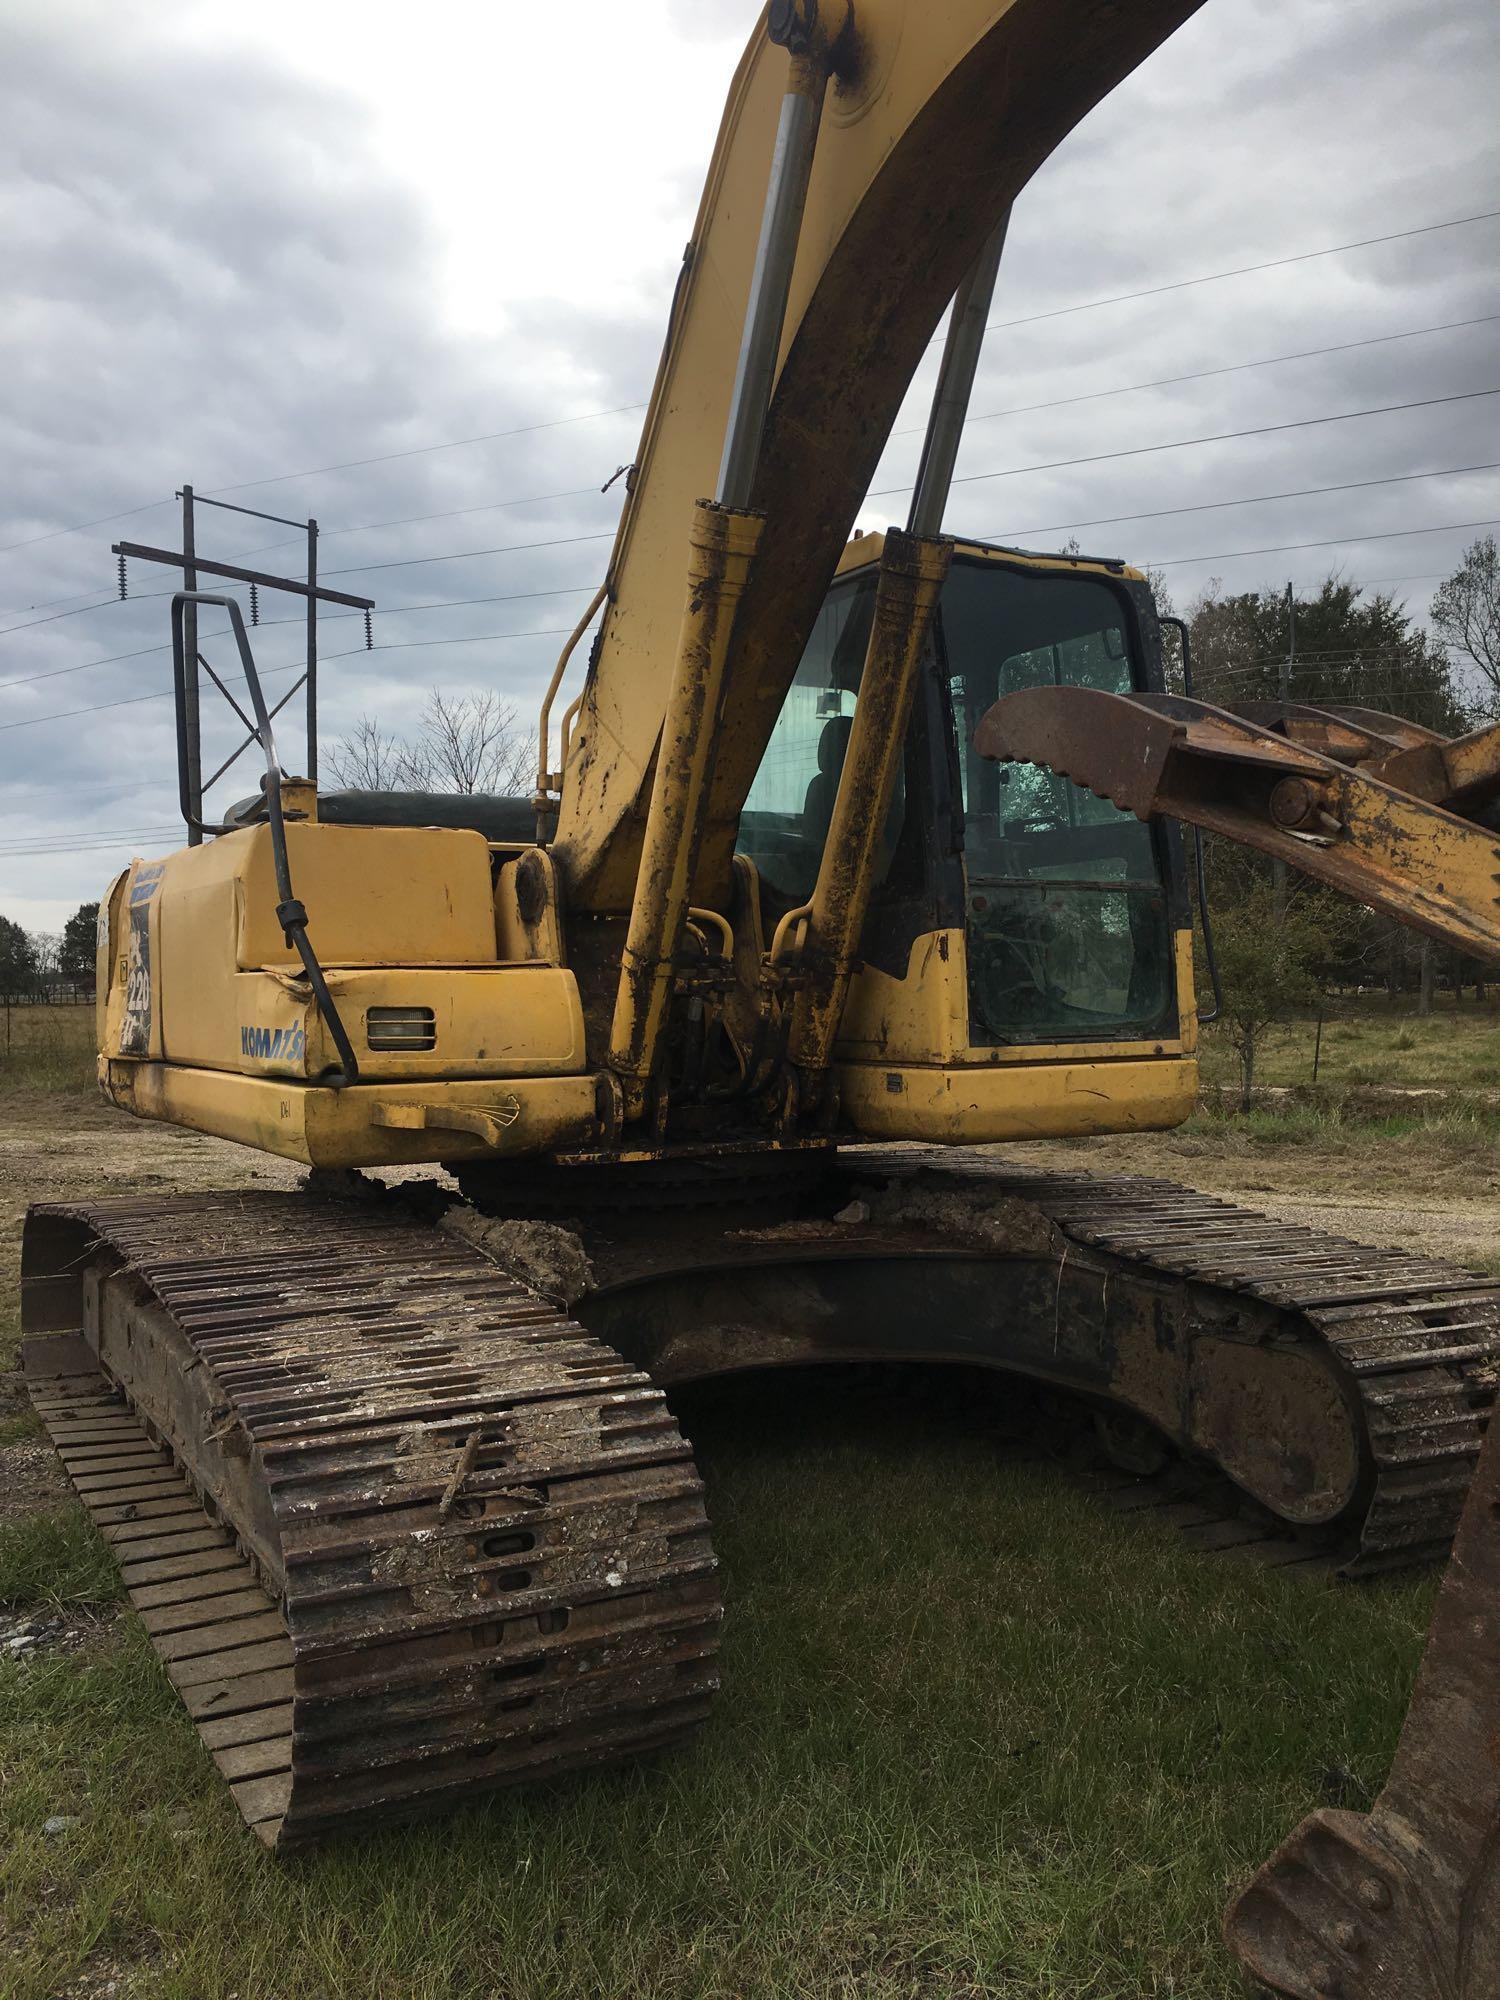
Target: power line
(298, 666)
(1056, 527)
(1244, 270)
(1329, 663)
(485, 638)
(625, 409)
(324, 535)
(1094, 458)
(447, 514)
(1017, 410)
(1204, 374)
(572, 590)
(316, 471)
(162, 834)
(148, 596)
(463, 555)
(333, 618)
(1337, 541)
(52, 617)
(416, 451)
(1245, 500)
(61, 843)
(1020, 409)
(1181, 444)
(125, 514)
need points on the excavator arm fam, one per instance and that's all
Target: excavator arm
(1366, 802)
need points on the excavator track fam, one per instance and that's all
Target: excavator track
(400, 1530)
(1416, 1341)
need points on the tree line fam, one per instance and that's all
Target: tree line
(48, 965)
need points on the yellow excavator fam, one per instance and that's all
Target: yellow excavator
(706, 1036)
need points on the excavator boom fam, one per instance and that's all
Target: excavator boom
(928, 122)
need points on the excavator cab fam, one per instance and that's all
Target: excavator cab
(1054, 924)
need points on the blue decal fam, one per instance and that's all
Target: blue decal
(274, 1044)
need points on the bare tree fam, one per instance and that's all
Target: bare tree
(367, 760)
(463, 743)
(1466, 614)
(472, 743)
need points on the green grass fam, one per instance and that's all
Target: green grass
(56, 1557)
(977, 1736)
(1370, 1043)
(47, 1048)
(1347, 1120)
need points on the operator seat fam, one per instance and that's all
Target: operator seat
(822, 789)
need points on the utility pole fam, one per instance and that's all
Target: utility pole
(190, 648)
(1284, 690)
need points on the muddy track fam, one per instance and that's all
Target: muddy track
(399, 1529)
(1417, 1341)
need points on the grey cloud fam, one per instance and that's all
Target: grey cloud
(212, 277)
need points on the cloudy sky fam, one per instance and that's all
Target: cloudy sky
(408, 271)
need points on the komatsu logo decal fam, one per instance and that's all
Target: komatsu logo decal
(273, 1044)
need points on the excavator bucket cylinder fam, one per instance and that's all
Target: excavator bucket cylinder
(911, 575)
(722, 544)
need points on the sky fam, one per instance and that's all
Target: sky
(282, 253)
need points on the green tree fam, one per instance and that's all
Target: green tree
(1350, 651)
(75, 959)
(17, 961)
(1268, 968)
(1466, 617)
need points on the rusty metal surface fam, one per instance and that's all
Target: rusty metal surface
(1343, 1389)
(495, 1556)
(1414, 1342)
(1365, 819)
(1404, 1903)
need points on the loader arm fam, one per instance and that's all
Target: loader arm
(1365, 802)
(930, 122)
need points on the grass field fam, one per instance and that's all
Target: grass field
(46, 1048)
(978, 1736)
(1371, 1042)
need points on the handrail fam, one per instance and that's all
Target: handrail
(544, 724)
(290, 914)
